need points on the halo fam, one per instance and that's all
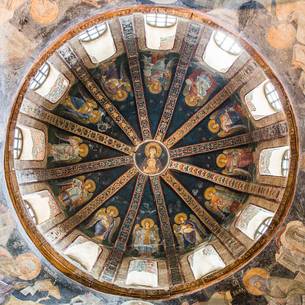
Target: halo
(247, 278)
(29, 266)
(113, 209)
(83, 150)
(90, 185)
(221, 160)
(122, 97)
(209, 192)
(191, 101)
(213, 126)
(147, 220)
(155, 89)
(156, 146)
(178, 216)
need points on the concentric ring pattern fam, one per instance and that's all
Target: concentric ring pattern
(151, 152)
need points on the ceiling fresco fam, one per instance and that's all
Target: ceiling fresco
(140, 175)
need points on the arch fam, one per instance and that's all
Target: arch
(33, 144)
(258, 102)
(42, 205)
(49, 83)
(205, 261)
(254, 221)
(98, 42)
(142, 273)
(274, 161)
(84, 252)
(221, 52)
(160, 31)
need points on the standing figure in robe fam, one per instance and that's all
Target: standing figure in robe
(227, 120)
(145, 237)
(157, 73)
(76, 192)
(115, 81)
(189, 232)
(105, 222)
(197, 87)
(221, 201)
(235, 161)
(73, 150)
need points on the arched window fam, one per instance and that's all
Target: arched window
(18, 143)
(221, 51)
(161, 20)
(38, 80)
(93, 33)
(227, 43)
(263, 227)
(285, 163)
(31, 212)
(142, 273)
(205, 261)
(272, 96)
(259, 103)
(273, 160)
(98, 42)
(254, 221)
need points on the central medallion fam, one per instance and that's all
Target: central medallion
(151, 158)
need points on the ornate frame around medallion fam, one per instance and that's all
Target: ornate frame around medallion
(67, 268)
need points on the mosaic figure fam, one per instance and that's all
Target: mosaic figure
(188, 230)
(220, 201)
(76, 192)
(145, 237)
(276, 290)
(106, 222)
(152, 164)
(115, 82)
(72, 150)
(157, 73)
(227, 120)
(235, 161)
(86, 111)
(197, 87)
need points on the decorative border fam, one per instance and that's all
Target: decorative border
(68, 269)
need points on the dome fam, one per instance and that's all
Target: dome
(148, 166)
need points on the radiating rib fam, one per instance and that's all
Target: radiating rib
(167, 233)
(115, 257)
(45, 116)
(235, 247)
(270, 132)
(131, 47)
(80, 71)
(269, 192)
(64, 228)
(45, 174)
(189, 46)
(242, 77)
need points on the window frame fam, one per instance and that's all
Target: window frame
(18, 138)
(285, 163)
(159, 16)
(259, 231)
(35, 82)
(272, 102)
(100, 29)
(30, 212)
(220, 44)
